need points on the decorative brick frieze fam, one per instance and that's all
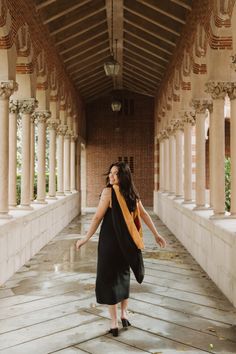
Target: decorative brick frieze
(186, 85)
(199, 68)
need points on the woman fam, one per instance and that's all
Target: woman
(119, 241)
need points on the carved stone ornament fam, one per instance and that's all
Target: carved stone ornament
(163, 135)
(13, 106)
(74, 137)
(218, 89)
(170, 129)
(7, 88)
(179, 125)
(189, 117)
(52, 123)
(62, 129)
(68, 134)
(232, 90)
(42, 116)
(27, 106)
(201, 105)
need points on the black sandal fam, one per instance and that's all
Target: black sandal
(114, 331)
(125, 323)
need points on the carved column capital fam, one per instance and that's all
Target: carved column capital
(232, 90)
(200, 105)
(52, 123)
(163, 135)
(178, 125)
(74, 137)
(42, 116)
(189, 117)
(27, 106)
(7, 88)
(218, 89)
(62, 129)
(13, 106)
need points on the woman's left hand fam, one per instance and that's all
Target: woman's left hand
(161, 241)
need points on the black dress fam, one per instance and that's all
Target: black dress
(113, 271)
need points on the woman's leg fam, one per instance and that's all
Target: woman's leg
(123, 307)
(113, 314)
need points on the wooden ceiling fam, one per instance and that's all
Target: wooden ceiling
(147, 32)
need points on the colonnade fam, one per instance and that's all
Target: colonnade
(62, 138)
(175, 144)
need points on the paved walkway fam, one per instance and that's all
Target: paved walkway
(48, 306)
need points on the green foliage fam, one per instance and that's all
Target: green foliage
(18, 186)
(227, 183)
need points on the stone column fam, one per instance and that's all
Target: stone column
(26, 108)
(188, 122)
(52, 126)
(32, 156)
(172, 157)
(218, 91)
(211, 148)
(41, 117)
(161, 162)
(67, 162)
(12, 197)
(6, 90)
(61, 131)
(200, 107)
(232, 96)
(179, 126)
(166, 163)
(72, 162)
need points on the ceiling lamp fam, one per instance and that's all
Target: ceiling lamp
(116, 106)
(111, 66)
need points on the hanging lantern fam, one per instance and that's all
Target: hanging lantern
(116, 106)
(111, 67)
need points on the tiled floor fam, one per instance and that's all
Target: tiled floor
(49, 306)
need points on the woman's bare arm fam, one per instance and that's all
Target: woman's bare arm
(97, 218)
(148, 221)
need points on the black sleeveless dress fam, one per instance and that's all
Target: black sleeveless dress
(113, 271)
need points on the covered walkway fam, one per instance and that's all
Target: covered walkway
(49, 306)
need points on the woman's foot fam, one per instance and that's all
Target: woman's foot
(114, 331)
(125, 323)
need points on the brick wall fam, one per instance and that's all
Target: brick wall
(112, 135)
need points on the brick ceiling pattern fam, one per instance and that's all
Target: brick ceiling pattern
(147, 33)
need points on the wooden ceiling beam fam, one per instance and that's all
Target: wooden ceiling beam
(140, 64)
(65, 12)
(146, 51)
(89, 48)
(80, 32)
(142, 76)
(154, 6)
(44, 4)
(147, 74)
(146, 41)
(90, 82)
(147, 59)
(151, 33)
(96, 89)
(137, 86)
(86, 68)
(89, 57)
(89, 75)
(141, 82)
(157, 23)
(72, 23)
(81, 43)
(182, 3)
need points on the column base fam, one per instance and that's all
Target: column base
(68, 192)
(219, 216)
(40, 202)
(231, 216)
(61, 194)
(201, 207)
(5, 215)
(25, 207)
(178, 197)
(12, 206)
(188, 202)
(51, 197)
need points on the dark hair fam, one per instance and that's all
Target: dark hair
(126, 184)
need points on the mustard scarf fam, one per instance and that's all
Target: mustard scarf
(132, 220)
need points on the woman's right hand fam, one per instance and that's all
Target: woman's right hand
(80, 243)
